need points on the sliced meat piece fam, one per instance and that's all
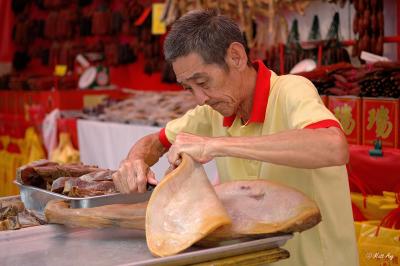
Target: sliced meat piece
(79, 188)
(99, 175)
(59, 183)
(81, 192)
(9, 218)
(43, 172)
(28, 176)
(183, 209)
(55, 171)
(94, 183)
(15, 203)
(8, 211)
(11, 223)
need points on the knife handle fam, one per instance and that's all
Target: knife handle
(150, 187)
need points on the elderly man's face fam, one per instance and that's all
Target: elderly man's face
(209, 83)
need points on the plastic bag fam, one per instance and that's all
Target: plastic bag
(65, 152)
(49, 131)
(33, 149)
(375, 207)
(378, 248)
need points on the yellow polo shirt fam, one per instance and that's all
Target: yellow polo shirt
(282, 103)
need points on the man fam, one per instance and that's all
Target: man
(256, 125)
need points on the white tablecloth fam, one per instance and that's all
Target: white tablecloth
(105, 144)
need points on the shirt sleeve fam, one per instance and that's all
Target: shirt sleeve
(303, 105)
(196, 121)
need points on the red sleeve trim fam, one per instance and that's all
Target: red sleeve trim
(324, 124)
(163, 139)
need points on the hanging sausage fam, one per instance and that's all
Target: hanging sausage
(368, 26)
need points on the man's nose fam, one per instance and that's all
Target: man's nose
(201, 97)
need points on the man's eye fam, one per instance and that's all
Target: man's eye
(202, 84)
(187, 88)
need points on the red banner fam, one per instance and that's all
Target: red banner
(6, 26)
(380, 120)
(348, 111)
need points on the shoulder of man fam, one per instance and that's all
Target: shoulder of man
(293, 84)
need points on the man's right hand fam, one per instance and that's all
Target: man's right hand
(133, 176)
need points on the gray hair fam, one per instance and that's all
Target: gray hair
(205, 33)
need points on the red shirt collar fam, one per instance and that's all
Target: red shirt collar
(260, 97)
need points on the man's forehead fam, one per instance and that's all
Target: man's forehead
(196, 75)
(190, 75)
(189, 67)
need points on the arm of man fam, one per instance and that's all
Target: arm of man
(134, 172)
(302, 148)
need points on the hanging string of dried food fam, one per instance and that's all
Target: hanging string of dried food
(267, 15)
(265, 27)
(293, 50)
(54, 32)
(381, 79)
(334, 51)
(315, 32)
(368, 25)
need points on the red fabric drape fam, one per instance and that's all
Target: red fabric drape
(377, 174)
(6, 26)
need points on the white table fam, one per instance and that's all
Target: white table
(105, 144)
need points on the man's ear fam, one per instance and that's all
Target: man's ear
(236, 56)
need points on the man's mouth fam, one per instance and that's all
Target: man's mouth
(214, 104)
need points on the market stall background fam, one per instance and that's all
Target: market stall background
(365, 98)
(55, 43)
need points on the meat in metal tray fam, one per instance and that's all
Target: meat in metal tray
(36, 198)
(59, 245)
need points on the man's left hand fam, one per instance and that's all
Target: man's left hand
(197, 147)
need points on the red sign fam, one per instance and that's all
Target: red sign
(380, 120)
(347, 109)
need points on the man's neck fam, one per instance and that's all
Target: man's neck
(249, 86)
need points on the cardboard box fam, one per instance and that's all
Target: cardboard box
(380, 120)
(347, 109)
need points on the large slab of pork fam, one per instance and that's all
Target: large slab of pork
(261, 207)
(182, 212)
(182, 209)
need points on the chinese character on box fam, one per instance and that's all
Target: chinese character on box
(347, 109)
(380, 120)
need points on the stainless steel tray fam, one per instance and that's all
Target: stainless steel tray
(59, 245)
(36, 198)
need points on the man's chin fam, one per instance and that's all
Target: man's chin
(224, 113)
